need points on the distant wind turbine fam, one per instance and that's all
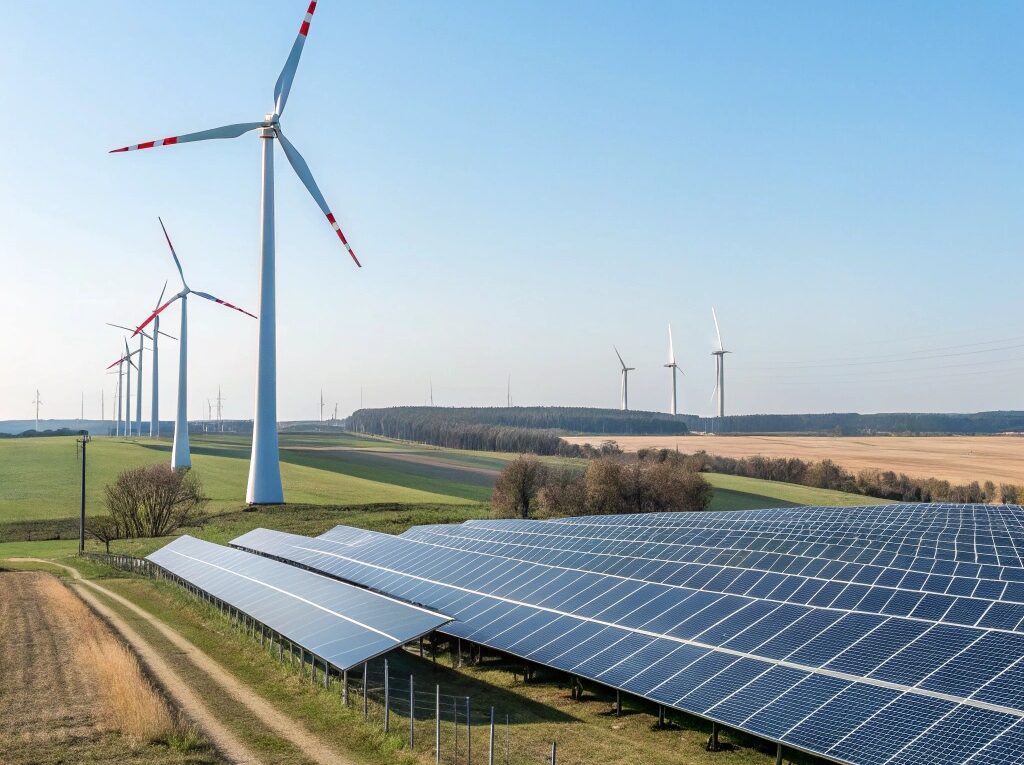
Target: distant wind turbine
(154, 423)
(37, 402)
(264, 485)
(674, 367)
(719, 368)
(181, 456)
(625, 380)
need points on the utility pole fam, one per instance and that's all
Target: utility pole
(84, 440)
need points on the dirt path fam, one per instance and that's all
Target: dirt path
(223, 739)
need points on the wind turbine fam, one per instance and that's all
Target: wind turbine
(264, 485)
(181, 458)
(625, 379)
(37, 402)
(123, 390)
(719, 367)
(674, 367)
(154, 423)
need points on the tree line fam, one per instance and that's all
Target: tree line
(653, 483)
(851, 423)
(565, 419)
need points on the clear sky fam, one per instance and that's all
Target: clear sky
(526, 184)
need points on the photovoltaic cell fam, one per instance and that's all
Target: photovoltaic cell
(337, 622)
(867, 635)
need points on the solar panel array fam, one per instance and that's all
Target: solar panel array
(869, 635)
(339, 623)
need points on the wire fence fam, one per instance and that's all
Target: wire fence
(429, 720)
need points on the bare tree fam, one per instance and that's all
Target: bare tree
(517, 487)
(154, 501)
(104, 529)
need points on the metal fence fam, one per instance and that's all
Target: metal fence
(424, 717)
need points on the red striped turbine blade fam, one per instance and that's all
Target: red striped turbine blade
(227, 131)
(302, 170)
(119, 361)
(291, 64)
(224, 303)
(153, 315)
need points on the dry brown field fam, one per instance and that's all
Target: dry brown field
(954, 458)
(70, 691)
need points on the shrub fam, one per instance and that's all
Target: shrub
(154, 501)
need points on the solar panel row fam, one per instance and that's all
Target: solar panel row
(862, 672)
(339, 623)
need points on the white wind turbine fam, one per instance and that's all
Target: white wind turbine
(154, 425)
(180, 455)
(719, 368)
(124, 391)
(38, 402)
(264, 466)
(672, 365)
(625, 380)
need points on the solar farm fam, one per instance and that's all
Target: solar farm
(863, 635)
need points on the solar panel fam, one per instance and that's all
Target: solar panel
(810, 626)
(341, 624)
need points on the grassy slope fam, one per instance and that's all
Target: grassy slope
(39, 477)
(330, 479)
(733, 492)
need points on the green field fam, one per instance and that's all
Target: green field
(328, 478)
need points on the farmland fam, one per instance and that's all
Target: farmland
(329, 478)
(958, 459)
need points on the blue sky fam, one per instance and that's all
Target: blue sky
(527, 184)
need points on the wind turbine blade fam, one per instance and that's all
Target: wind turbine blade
(717, 330)
(167, 335)
(671, 350)
(284, 80)
(160, 299)
(620, 357)
(227, 131)
(153, 315)
(718, 360)
(302, 170)
(224, 303)
(119, 361)
(133, 364)
(173, 253)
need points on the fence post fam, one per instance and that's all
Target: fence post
(412, 714)
(327, 674)
(344, 687)
(366, 709)
(554, 753)
(490, 744)
(437, 724)
(387, 699)
(469, 733)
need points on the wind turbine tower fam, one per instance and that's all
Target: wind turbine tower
(719, 367)
(220, 409)
(673, 367)
(37, 402)
(625, 380)
(321, 408)
(264, 485)
(181, 456)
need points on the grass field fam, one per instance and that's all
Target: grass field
(329, 479)
(959, 459)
